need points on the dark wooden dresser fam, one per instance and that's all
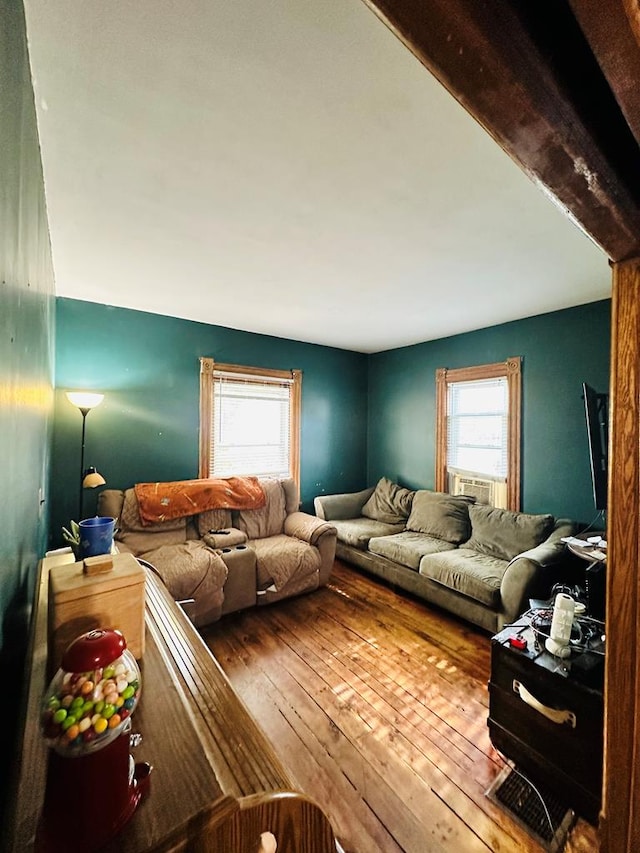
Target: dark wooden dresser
(216, 782)
(546, 714)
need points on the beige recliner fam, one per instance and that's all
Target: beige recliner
(294, 550)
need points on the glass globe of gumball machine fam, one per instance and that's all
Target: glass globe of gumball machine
(93, 784)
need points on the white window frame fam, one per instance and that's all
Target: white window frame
(209, 371)
(511, 369)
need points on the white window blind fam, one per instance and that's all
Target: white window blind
(477, 426)
(251, 431)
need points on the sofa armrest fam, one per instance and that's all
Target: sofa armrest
(226, 538)
(526, 570)
(307, 527)
(520, 576)
(348, 505)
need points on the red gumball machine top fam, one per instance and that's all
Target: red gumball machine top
(93, 694)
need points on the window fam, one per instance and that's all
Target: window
(249, 421)
(478, 432)
(477, 420)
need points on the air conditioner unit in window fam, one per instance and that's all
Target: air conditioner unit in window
(484, 489)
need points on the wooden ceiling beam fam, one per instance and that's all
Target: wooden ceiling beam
(612, 28)
(526, 73)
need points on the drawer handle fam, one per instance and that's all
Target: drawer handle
(553, 714)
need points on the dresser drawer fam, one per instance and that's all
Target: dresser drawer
(575, 750)
(541, 677)
(548, 724)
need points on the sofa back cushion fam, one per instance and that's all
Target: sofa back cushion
(389, 503)
(269, 519)
(110, 503)
(441, 515)
(130, 531)
(505, 534)
(130, 519)
(291, 495)
(213, 519)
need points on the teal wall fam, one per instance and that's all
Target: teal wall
(26, 361)
(146, 429)
(363, 416)
(560, 350)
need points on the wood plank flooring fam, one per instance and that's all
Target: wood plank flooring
(377, 704)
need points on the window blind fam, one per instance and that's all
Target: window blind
(477, 426)
(251, 426)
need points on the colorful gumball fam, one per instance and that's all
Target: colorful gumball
(88, 706)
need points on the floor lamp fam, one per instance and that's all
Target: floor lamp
(90, 478)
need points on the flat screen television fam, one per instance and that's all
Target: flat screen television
(596, 408)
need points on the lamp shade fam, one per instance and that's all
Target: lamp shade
(92, 478)
(84, 399)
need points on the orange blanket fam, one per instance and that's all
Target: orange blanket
(163, 501)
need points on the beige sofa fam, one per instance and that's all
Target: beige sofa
(477, 561)
(222, 560)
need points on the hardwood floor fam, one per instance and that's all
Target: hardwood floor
(377, 704)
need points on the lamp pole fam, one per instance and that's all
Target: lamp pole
(84, 412)
(85, 401)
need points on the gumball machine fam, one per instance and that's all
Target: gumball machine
(93, 784)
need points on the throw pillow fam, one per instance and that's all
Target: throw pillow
(389, 503)
(441, 515)
(505, 534)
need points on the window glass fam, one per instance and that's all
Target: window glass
(249, 421)
(250, 429)
(477, 426)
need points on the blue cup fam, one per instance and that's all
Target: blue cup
(96, 536)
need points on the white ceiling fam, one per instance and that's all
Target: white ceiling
(285, 167)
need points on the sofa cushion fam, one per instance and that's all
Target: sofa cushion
(407, 548)
(191, 570)
(269, 520)
(305, 578)
(505, 534)
(358, 531)
(477, 576)
(441, 515)
(389, 503)
(280, 559)
(138, 543)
